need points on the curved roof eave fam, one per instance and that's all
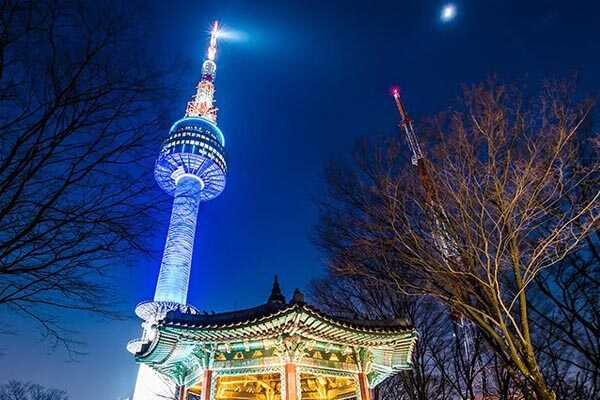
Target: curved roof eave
(265, 318)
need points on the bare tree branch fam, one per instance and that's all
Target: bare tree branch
(77, 141)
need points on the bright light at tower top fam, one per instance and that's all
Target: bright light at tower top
(448, 12)
(214, 34)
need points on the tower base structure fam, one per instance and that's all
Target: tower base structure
(150, 385)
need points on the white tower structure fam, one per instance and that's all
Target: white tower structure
(191, 167)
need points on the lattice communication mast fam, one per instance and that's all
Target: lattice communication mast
(418, 160)
(445, 245)
(407, 125)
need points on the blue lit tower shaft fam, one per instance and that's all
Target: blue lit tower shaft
(177, 258)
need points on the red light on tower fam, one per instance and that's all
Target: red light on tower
(395, 91)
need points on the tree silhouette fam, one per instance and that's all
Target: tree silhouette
(14, 390)
(78, 112)
(508, 175)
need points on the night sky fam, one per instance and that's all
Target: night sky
(301, 83)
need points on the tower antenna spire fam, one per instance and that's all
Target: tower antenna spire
(202, 104)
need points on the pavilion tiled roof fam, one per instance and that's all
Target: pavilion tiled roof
(268, 311)
(273, 319)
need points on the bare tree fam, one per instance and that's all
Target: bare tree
(505, 170)
(14, 390)
(441, 369)
(79, 105)
(566, 316)
(353, 298)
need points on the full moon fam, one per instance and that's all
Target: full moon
(448, 12)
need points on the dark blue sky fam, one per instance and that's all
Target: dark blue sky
(310, 77)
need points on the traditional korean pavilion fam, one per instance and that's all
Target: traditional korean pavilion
(277, 351)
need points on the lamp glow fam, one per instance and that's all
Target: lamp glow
(231, 35)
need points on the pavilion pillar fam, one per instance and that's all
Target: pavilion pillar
(291, 382)
(181, 392)
(363, 383)
(206, 384)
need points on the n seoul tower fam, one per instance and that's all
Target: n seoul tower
(191, 167)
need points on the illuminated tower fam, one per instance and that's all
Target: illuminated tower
(191, 167)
